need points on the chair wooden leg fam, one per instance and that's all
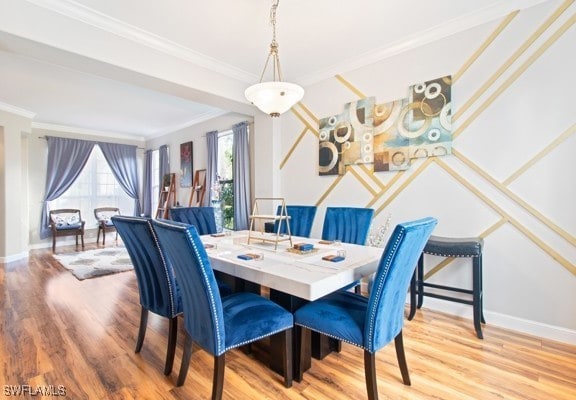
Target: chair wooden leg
(98, 236)
(142, 330)
(53, 243)
(399, 343)
(370, 372)
(186, 356)
(82, 239)
(288, 367)
(172, 334)
(103, 237)
(246, 349)
(218, 383)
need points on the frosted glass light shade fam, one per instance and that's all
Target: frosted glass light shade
(275, 97)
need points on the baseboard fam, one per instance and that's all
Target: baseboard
(521, 325)
(14, 257)
(61, 242)
(539, 329)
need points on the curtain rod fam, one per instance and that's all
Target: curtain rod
(250, 123)
(139, 148)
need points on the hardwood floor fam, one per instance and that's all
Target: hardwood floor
(57, 330)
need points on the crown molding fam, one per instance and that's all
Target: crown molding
(460, 24)
(87, 15)
(194, 121)
(83, 131)
(17, 110)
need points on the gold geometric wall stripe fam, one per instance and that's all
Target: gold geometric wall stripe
(392, 181)
(448, 260)
(293, 147)
(551, 252)
(540, 155)
(308, 127)
(312, 128)
(307, 111)
(438, 267)
(351, 87)
(330, 188)
(517, 199)
(551, 40)
(362, 181)
(506, 218)
(418, 171)
(371, 174)
(512, 59)
(494, 227)
(484, 46)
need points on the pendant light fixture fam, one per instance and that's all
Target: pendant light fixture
(274, 97)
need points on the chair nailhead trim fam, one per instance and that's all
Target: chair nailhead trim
(172, 306)
(452, 255)
(255, 339)
(219, 350)
(381, 285)
(334, 337)
(203, 268)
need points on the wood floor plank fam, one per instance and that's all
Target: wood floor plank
(56, 330)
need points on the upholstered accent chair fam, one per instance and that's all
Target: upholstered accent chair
(218, 323)
(301, 220)
(104, 217)
(159, 291)
(66, 222)
(203, 218)
(370, 322)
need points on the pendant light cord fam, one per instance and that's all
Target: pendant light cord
(276, 71)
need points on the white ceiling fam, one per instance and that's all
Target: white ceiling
(145, 68)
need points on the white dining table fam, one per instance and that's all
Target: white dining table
(304, 275)
(293, 278)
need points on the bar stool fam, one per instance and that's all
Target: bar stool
(451, 247)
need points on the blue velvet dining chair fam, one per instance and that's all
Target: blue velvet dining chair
(301, 220)
(203, 218)
(159, 292)
(348, 225)
(218, 323)
(370, 322)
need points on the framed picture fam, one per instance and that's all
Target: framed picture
(186, 164)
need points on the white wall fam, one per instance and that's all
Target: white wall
(529, 268)
(14, 130)
(197, 135)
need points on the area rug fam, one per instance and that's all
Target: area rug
(92, 263)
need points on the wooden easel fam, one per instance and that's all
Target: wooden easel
(167, 197)
(198, 189)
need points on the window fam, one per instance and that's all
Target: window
(95, 187)
(226, 177)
